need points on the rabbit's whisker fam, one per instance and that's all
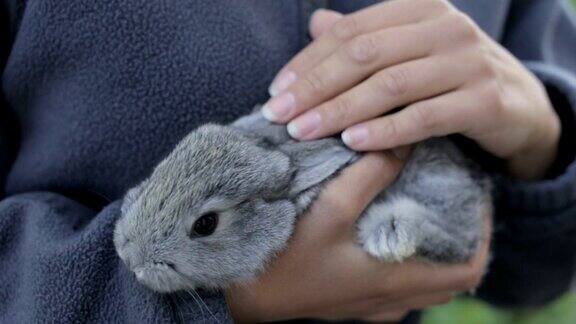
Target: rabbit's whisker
(177, 309)
(203, 302)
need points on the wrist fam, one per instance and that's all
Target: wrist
(535, 160)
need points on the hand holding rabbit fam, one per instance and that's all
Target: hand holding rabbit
(324, 274)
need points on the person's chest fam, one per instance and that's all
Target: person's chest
(104, 89)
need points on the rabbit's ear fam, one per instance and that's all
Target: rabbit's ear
(131, 196)
(255, 123)
(316, 161)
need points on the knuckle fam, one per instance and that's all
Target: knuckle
(361, 49)
(494, 97)
(487, 67)
(440, 5)
(425, 118)
(302, 57)
(342, 109)
(346, 28)
(314, 83)
(391, 165)
(393, 81)
(464, 27)
(390, 130)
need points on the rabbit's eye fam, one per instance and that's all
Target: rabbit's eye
(205, 225)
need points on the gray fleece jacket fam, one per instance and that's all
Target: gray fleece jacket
(96, 92)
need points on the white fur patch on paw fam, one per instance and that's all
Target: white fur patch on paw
(389, 231)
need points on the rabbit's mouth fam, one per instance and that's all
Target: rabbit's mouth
(161, 277)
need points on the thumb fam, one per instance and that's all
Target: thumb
(347, 195)
(322, 20)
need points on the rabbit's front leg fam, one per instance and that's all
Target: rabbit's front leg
(389, 230)
(399, 228)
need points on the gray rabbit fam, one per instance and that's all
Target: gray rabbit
(226, 200)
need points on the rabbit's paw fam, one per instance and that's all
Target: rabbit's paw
(390, 230)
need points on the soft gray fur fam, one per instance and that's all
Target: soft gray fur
(259, 181)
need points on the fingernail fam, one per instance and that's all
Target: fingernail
(401, 152)
(355, 135)
(279, 107)
(304, 125)
(281, 82)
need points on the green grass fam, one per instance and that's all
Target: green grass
(471, 311)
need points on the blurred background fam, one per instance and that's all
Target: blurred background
(471, 311)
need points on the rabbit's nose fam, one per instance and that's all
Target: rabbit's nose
(131, 256)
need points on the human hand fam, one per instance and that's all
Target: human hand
(324, 273)
(429, 57)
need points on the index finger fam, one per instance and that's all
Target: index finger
(380, 16)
